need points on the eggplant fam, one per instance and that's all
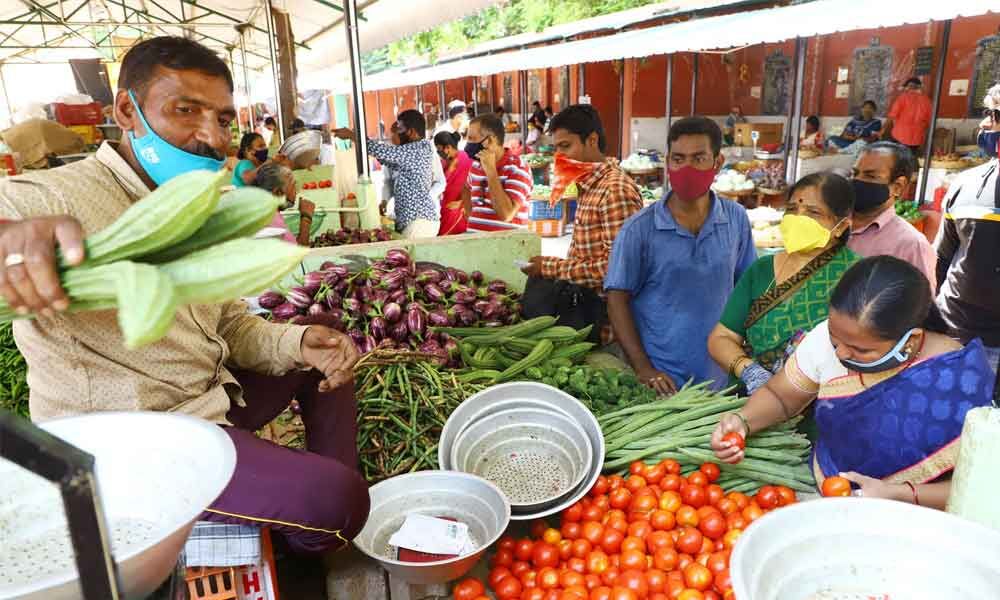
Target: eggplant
(330, 279)
(339, 270)
(270, 299)
(382, 235)
(300, 297)
(429, 347)
(466, 315)
(438, 318)
(285, 311)
(356, 335)
(398, 257)
(312, 282)
(476, 277)
(481, 307)
(415, 321)
(398, 296)
(399, 331)
(429, 276)
(498, 286)
(414, 306)
(333, 301)
(367, 345)
(434, 293)
(327, 265)
(393, 280)
(459, 275)
(380, 296)
(341, 287)
(392, 311)
(451, 347)
(464, 297)
(379, 328)
(316, 309)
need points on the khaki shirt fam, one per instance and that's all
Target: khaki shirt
(78, 363)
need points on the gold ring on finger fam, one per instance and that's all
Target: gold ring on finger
(13, 259)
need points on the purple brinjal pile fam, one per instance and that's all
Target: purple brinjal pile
(392, 303)
(343, 237)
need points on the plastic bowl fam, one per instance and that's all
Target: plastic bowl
(460, 496)
(156, 473)
(303, 148)
(534, 395)
(536, 456)
(865, 546)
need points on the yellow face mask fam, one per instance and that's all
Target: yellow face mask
(803, 234)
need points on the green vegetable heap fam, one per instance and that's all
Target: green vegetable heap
(909, 210)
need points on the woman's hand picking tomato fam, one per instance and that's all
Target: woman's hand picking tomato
(468, 589)
(729, 450)
(869, 487)
(836, 486)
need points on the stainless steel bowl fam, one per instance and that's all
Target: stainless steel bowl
(302, 148)
(460, 496)
(535, 456)
(156, 472)
(526, 394)
(865, 547)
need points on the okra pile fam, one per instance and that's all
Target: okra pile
(679, 427)
(499, 354)
(182, 244)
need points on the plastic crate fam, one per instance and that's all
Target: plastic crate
(206, 583)
(547, 227)
(87, 132)
(77, 114)
(539, 210)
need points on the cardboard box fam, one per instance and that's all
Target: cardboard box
(770, 133)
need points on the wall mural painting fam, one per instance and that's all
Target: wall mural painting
(871, 78)
(985, 73)
(777, 92)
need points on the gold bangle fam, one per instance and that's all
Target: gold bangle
(736, 364)
(746, 424)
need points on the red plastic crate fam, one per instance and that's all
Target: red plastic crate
(77, 114)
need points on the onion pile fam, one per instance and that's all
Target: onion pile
(343, 237)
(392, 304)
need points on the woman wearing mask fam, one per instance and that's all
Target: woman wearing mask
(252, 154)
(536, 133)
(891, 396)
(454, 215)
(782, 297)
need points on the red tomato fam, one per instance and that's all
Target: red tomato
(698, 577)
(609, 576)
(711, 471)
(739, 498)
(592, 532)
(548, 578)
(653, 474)
(718, 562)
(552, 536)
(594, 512)
(603, 503)
(633, 559)
(577, 564)
(723, 582)
(768, 497)
(752, 512)
(519, 568)
(657, 580)
(600, 593)
(711, 595)
(593, 581)
(727, 507)
(836, 486)
(640, 529)
(694, 495)
(552, 595)
(597, 562)
(730, 538)
(570, 578)
(544, 554)
(662, 520)
(687, 516)
(633, 543)
(620, 593)
(538, 528)
(691, 594)
(570, 530)
(643, 503)
(665, 559)
(635, 581)
(637, 467)
(713, 526)
(706, 510)
(529, 579)
(573, 513)
(735, 439)
(736, 521)
(671, 482)
(534, 593)
(612, 541)
(496, 575)
(468, 589)
(787, 495)
(715, 494)
(620, 498)
(657, 540)
(697, 478)
(582, 547)
(601, 487)
(635, 483)
(618, 523)
(565, 549)
(506, 543)
(523, 549)
(509, 588)
(503, 558)
(576, 592)
(689, 541)
(615, 482)
(672, 466)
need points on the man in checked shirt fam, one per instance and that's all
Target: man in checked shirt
(607, 197)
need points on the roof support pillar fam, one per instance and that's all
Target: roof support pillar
(354, 57)
(795, 119)
(942, 49)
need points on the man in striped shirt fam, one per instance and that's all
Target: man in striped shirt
(499, 182)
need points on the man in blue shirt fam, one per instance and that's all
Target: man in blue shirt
(674, 264)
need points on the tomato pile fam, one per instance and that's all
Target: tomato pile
(654, 535)
(315, 185)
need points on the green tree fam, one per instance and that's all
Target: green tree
(509, 18)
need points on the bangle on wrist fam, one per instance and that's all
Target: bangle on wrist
(735, 365)
(913, 490)
(746, 424)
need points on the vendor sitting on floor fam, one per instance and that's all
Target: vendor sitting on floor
(573, 287)
(280, 181)
(865, 128)
(218, 362)
(891, 396)
(674, 264)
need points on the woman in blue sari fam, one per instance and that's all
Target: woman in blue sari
(891, 396)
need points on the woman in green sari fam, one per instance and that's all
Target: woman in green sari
(782, 297)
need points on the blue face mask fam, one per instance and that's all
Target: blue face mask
(161, 160)
(895, 358)
(988, 141)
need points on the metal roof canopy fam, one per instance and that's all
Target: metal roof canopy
(736, 30)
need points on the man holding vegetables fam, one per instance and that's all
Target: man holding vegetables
(674, 264)
(218, 362)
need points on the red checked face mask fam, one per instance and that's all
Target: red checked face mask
(690, 183)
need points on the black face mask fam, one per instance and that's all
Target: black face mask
(261, 155)
(869, 196)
